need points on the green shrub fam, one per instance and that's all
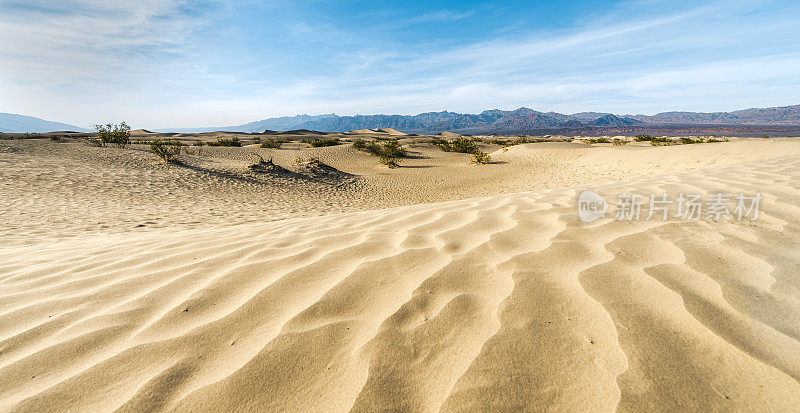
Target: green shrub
(519, 141)
(226, 142)
(661, 141)
(463, 145)
(393, 149)
(460, 145)
(643, 138)
(388, 151)
(118, 135)
(481, 157)
(317, 143)
(714, 140)
(167, 150)
(389, 161)
(599, 140)
(443, 144)
(689, 141)
(620, 142)
(270, 143)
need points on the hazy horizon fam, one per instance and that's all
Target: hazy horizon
(174, 64)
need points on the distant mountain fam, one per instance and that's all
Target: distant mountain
(11, 123)
(282, 123)
(785, 115)
(612, 121)
(490, 121)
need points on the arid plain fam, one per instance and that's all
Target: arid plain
(324, 280)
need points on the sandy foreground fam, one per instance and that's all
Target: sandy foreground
(442, 285)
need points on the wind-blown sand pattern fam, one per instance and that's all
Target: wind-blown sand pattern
(493, 303)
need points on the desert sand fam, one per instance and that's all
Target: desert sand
(441, 285)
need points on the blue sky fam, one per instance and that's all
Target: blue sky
(172, 63)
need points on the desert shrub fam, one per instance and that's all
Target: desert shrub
(519, 141)
(271, 143)
(460, 145)
(118, 135)
(599, 140)
(393, 149)
(481, 157)
(225, 142)
(714, 140)
(463, 145)
(661, 141)
(765, 137)
(199, 143)
(443, 144)
(689, 141)
(167, 150)
(620, 142)
(388, 152)
(317, 143)
(389, 161)
(55, 138)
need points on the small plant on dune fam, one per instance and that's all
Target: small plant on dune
(715, 140)
(463, 145)
(599, 140)
(460, 145)
(481, 157)
(620, 142)
(302, 159)
(643, 138)
(373, 148)
(661, 141)
(318, 143)
(271, 143)
(393, 149)
(199, 143)
(167, 150)
(519, 141)
(689, 141)
(389, 161)
(118, 135)
(388, 152)
(765, 137)
(225, 142)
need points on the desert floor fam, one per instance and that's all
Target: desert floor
(440, 285)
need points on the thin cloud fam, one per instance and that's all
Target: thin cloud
(442, 16)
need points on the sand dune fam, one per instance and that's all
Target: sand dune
(490, 303)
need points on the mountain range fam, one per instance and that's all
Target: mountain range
(514, 121)
(11, 123)
(489, 121)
